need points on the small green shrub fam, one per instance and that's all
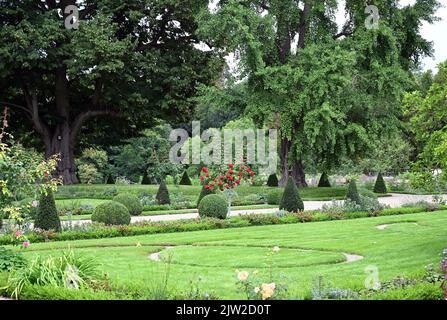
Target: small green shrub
(203, 193)
(185, 181)
(272, 180)
(213, 206)
(146, 180)
(324, 181)
(291, 200)
(111, 213)
(380, 186)
(162, 196)
(110, 179)
(420, 291)
(131, 202)
(274, 197)
(47, 217)
(10, 260)
(353, 193)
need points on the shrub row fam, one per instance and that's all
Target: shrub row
(98, 231)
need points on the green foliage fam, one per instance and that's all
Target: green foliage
(291, 200)
(380, 186)
(89, 174)
(324, 181)
(203, 193)
(131, 202)
(272, 180)
(274, 197)
(47, 217)
(110, 179)
(111, 213)
(10, 260)
(213, 206)
(162, 196)
(93, 166)
(352, 193)
(185, 181)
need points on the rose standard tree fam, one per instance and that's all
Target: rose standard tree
(229, 179)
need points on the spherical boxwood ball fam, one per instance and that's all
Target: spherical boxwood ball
(111, 213)
(213, 206)
(131, 202)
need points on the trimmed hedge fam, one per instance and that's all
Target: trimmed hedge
(274, 197)
(47, 217)
(380, 186)
(203, 193)
(162, 196)
(272, 180)
(353, 193)
(111, 213)
(213, 206)
(291, 200)
(324, 181)
(185, 181)
(131, 202)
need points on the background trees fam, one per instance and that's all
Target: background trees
(136, 60)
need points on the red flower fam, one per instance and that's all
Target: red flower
(207, 175)
(252, 173)
(202, 178)
(231, 165)
(46, 173)
(238, 181)
(248, 169)
(221, 189)
(242, 167)
(227, 175)
(220, 183)
(221, 177)
(204, 169)
(230, 171)
(231, 178)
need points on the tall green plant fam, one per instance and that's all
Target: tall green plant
(291, 200)
(162, 196)
(380, 186)
(47, 217)
(352, 193)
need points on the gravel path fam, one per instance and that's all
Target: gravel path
(395, 201)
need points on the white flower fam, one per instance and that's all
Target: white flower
(242, 276)
(276, 249)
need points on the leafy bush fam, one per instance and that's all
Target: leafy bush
(203, 193)
(425, 205)
(213, 206)
(110, 179)
(353, 193)
(324, 181)
(421, 291)
(274, 197)
(272, 180)
(185, 181)
(10, 260)
(67, 271)
(380, 186)
(131, 202)
(163, 194)
(367, 205)
(291, 200)
(111, 213)
(47, 217)
(89, 174)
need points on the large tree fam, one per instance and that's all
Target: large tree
(136, 60)
(326, 89)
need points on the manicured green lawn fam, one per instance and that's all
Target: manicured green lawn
(308, 250)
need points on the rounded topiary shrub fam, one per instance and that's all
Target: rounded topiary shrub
(203, 193)
(111, 213)
(291, 200)
(185, 181)
(324, 181)
(353, 193)
(162, 196)
(272, 180)
(47, 217)
(380, 186)
(213, 206)
(274, 197)
(131, 202)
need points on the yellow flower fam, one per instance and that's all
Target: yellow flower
(267, 290)
(242, 276)
(255, 272)
(138, 244)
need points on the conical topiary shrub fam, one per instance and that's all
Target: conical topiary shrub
(203, 193)
(291, 200)
(110, 179)
(145, 179)
(353, 193)
(324, 181)
(185, 181)
(162, 196)
(380, 186)
(47, 217)
(272, 180)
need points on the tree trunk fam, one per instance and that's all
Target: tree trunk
(298, 173)
(60, 143)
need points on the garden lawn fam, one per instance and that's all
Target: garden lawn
(308, 251)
